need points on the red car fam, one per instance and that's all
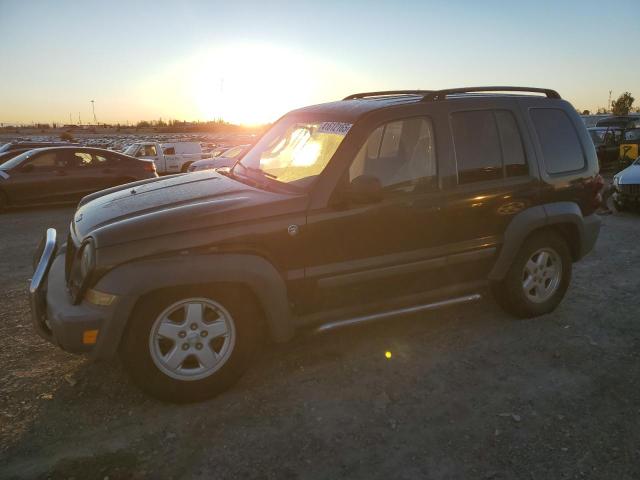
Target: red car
(66, 174)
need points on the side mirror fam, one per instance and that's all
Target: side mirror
(365, 189)
(27, 168)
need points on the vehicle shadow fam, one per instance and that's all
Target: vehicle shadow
(97, 423)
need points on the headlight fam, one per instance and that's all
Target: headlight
(82, 270)
(616, 180)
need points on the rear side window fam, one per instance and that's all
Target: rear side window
(477, 144)
(559, 140)
(488, 146)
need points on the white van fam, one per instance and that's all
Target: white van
(169, 157)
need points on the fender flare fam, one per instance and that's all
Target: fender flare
(133, 280)
(534, 218)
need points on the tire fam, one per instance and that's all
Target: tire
(185, 167)
(198, 374)
(546, 291)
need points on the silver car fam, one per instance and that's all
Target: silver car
(227, 159)
(627, 186)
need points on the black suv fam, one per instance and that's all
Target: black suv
(381, 204)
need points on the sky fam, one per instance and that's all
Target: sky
(251, 61)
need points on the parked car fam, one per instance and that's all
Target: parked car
(219, 150)
(169, 157)
(626, 186)
(7, 147)
(607, 142)
(12, 153)
(227, 159)
(379, 205)
(620, 121)
(66, 174)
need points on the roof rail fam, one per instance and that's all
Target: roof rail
(442, 94)
(387, 93)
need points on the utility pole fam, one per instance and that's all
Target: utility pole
(610, 92)
(79, 120)
(93, 108)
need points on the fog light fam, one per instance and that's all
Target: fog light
(99, 298)
(89, 337)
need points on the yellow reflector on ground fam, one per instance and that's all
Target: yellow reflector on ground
(89, 337)
(387, 354)
(99, 298)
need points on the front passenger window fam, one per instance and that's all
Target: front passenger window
(401, 154)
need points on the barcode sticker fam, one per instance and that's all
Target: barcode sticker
(335, 127)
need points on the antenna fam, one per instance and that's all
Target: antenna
(93, 108)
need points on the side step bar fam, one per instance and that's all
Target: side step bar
(394, 313)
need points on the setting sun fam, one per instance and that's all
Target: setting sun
(250, 84)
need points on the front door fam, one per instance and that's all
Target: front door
(42, 178)
(388, 248)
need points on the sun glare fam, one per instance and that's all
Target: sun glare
(250, 84)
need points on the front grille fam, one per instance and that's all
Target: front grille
(630, 189)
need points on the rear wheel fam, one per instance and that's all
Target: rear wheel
(538, 278)
(185, 167)
(191, 345)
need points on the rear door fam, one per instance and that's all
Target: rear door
(494, 178)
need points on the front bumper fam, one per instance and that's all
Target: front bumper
(54, 316)
(627, 194)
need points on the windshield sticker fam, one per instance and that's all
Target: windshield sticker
(334, 127)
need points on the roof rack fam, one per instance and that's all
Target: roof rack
(385, 93)
(442, 94)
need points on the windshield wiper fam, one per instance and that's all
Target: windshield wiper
(259, 170)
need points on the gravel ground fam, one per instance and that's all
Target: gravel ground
(467, 393)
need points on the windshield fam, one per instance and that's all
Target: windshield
(15, 161)
(294, 151)
(131, 149)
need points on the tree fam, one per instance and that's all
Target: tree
(586, 112)
(622, 106)
(66, 136)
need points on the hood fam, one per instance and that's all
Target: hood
(177, 203)
(630, 175)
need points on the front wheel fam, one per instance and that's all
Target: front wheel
(538, 278)
(191, 345)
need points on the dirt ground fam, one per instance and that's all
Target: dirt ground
(467, 393)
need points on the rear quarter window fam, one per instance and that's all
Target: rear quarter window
(561, 148)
